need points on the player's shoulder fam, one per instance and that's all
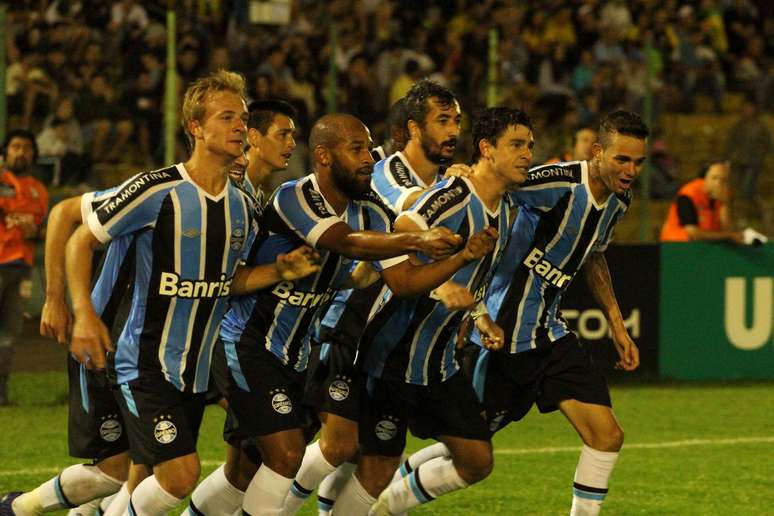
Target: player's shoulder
(302, 193)
(396, 168)
(372, 200)
(555, 173)
(444, 196)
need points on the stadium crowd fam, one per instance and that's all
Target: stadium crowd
(85, 72)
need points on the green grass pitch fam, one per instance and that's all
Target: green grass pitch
(690, 449)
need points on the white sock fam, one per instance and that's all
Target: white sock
(314, 468)
(590, 484)
(329, 488)
(266, 493)
(119, 504)
(86, 509)
(74, 486)
(415, 459)
(149, 499)
(215, 496)
(354, 500)
(427, 482)
(105, 502)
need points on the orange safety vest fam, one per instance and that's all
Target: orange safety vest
(708, 213)
(19, 195)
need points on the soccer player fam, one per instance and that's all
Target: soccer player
(270, 138)
(397, 132)
(335, 211)
(23, 206)
(414, 377)
(568, 212)
(192, 229)
(431, 115)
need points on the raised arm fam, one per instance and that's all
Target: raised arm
(601, 286)
(410, 278)
(340, 238)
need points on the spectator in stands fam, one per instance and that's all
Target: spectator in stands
(61, 138)
(411, 74)
(106, 121)
(701, 209)
(749, 143)
(23, 206)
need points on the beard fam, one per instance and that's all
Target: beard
(433, 151)
(348, 182)
(18, 166)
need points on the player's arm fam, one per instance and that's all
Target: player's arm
(410, 279)
(363, 275)
(601, 286)
(90, 338)
(56, 319)
(340, 238)
(456, 170)
(298, 263)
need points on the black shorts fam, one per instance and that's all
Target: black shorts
(265, 397)
(218, 385)
(511, 383)
(334, 382)
(95, 426)
(393, 406)
(162, 422)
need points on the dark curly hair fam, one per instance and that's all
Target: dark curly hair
(491, 123)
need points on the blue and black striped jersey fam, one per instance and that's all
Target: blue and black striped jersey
(188, 245)
(559, 225)
(394, 180)
(414, 338)
(278, 318)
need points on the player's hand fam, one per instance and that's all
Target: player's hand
(458, 170)
(298, 263)
(627, 351)
(492, 336)
(56, 321)
(454, 296)
(480, 244)
(438, 243)
(90, 340)
(363, 275)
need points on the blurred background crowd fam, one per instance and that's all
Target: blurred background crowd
(87, 76)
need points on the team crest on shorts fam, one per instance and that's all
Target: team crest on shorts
(386, 429)
(237, 239)
(339, 389)
(165, 431)
(280, 402)
(110, 429)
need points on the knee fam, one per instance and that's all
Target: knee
(375, 473)
(116, 466)
(339, 450)
(286, 461)
(609, 440)
(474, 467)
(181, 480)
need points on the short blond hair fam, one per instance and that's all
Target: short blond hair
(197, 93)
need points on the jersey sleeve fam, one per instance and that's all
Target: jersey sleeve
(90, 201)
(546, 184)
(392, 181)
(303, 209)
(133, 205)
(381, 219)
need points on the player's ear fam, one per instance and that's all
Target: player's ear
(596, 150)
(252, 136)
(485, 148)
(195, 128)
(322, 156)
(413, 130)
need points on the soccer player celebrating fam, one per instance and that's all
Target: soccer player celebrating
(410, 343)
(335, 211)
(192, 229)
(568, 212)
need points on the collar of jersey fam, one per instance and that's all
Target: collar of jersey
(496, 212)
(417, 177)
(585, 180)
(184, 173)
(343, 216)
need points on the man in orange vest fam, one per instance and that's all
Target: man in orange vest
(700, 211)
(23, 206)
